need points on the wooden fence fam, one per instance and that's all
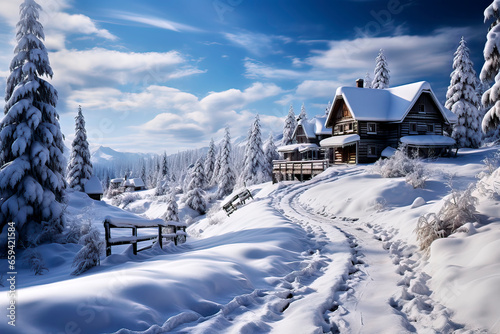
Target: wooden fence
(173, 231)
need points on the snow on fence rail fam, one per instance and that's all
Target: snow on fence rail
(289, 170)
(173, 231)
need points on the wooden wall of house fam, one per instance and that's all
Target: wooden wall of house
(430, 116)
(387, 134)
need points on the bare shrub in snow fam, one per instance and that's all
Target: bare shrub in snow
(90, 255)
(459, 208)
(34, 260)
(402, 165)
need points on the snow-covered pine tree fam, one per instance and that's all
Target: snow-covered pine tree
(253, 167)
(270, 154)
(210, 162)
(164, 167)
(490, 71)
(462, 99)
(172, 213)
(226, 177)
(195, 197)
(32, 184)
(328, 107)
(80, 166)
(381, 74)
(215, 174)
(90, 255)
(303, 113)
(368, 81)
(289, 128)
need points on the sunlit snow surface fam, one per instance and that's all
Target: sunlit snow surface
(336, 253)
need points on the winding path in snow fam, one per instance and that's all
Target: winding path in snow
(382, 290)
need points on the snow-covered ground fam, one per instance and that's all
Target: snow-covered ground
(337, 253)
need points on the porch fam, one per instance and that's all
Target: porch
(297, 170)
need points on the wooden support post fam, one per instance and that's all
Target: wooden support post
(107, 236)
(134, 245)
(160, 238)
(175, 238)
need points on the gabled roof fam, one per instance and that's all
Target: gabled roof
(313, 127)
(134, 182)
(385, 105)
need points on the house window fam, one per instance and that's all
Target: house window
(349, 127)
(430, 128)
(413, 128)
(372, 151)
(421, 109)
(341, 128)
(372, 128)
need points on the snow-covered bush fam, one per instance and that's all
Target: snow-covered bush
(402, 165)
(459, 208)
(172, 212)
(90, 255)
(125, 199)
(195, 199)
(34, 261)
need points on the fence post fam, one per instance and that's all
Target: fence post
(160, 238)
(134, 245)
(107, 236)
(175, 238)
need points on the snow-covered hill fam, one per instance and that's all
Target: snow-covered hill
(105, 156)
(335, 254)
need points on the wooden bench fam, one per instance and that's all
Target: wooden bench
(169, 231)
(237, 200)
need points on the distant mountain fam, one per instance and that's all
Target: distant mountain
(106, 156)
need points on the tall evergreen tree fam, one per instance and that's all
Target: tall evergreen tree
(368, 81)
(381, 74)
(210, 162)
(226, 177)
(253, 167)
(303, 113)
(80, 166)
(163, 174)
(491, 69)
(215, 175)
(462, 99)
(32, 184)
(195, 198)
(270, 154)
(289, 128)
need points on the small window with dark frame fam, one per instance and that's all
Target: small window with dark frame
(413, 128)
(430, 127)
(372, 151)
(341, 128)
(372, 128)
(421, 109)
(349, 127)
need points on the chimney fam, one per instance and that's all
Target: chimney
(360, 83)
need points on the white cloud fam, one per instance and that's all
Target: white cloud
(256, 43)
(154, 21)
(101, 67)
(255, 69)
(55, 21)
(317, 88)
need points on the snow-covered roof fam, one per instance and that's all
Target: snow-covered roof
(134, 182)
(388, 152)
(313, 127)
(339, 141)
(296, 147)
(428, 140)
(118, 180)
(387, 105)
(93, 186)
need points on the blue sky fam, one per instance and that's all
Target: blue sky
(170, 75)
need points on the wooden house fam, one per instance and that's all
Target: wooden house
(134, 184)
(93, 188)
(306, 138)
(364, 122)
